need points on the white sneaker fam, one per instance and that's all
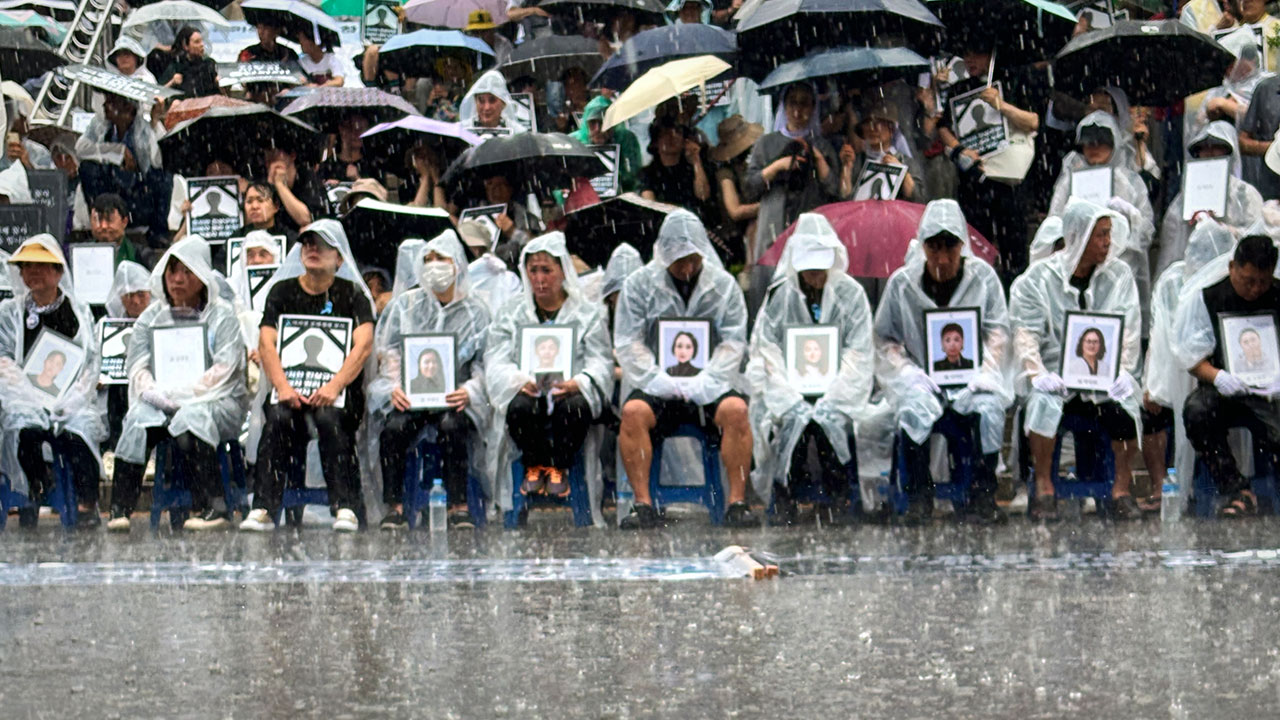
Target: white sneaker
(346, 521)
(258, 521)
(118, 524)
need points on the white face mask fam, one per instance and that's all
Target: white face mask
(438, 275)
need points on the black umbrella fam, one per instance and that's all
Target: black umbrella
(594, 231)
(855, 67)
(376, 229)
(235, 135)
(536, 161)
(546, 58)
(782, 30)
(1155, 63)
(22, 57)
(1020, 31)
(651, 48)
(647, 12)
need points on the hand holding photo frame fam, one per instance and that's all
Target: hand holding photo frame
(1091, 350)
(546, 351)
(953, 345)
(52, 365)
(1204, 187)
(428, 370)
(178, 355)
(812, 357)
(313, 348)
(114, 335)
(684, 346)
(1250, 347)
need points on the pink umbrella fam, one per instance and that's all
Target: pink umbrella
(876, 233)
(452, 13)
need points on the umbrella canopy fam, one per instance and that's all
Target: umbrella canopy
(22, 57)
(1131, 56)
(237, 136)
(294, 16)
(662, 83)
(174, 10)
(854, 67)
(343, 8)
(327, 106)
(452, 13)
(415, 53)
(537, 161)
(52, 30)
(783, 30)
(190, 108)
(593, 232)
(647, 12)
(546, 58)
(377, 228)
(876, 233)
(392, 139)
(1020, 31)
(651, 48)
(60, 10)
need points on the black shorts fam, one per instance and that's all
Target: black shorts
(1113, 419)
(1153, 423)
(670, 414)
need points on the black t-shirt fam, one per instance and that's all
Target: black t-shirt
(280, 54)
(61, 320)
(673, 184)
(1082, 284)
(1222, 298)
(342, 299)
(310, 192)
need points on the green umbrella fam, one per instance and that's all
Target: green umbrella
(343, 8)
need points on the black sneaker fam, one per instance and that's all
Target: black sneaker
(641, 517)
(89, 519)
(739, 516)
(394, 521)
(461, 520)
(1125, 508)
(984, 511)
(919, 512)
(28, 517)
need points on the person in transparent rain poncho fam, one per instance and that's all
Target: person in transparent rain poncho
(1230, 100)
(442, 303)
(1244, 203)
(683, 280)
(1098, 137)
(810, 288)
(317, 278)
(491, 281)
(547, 423)
(941, 272)
(130, 294)
(1048, 238)
(1241, 283)
(198, 416)
(70, 422)
(1168, 384)
(1084, 276)
(488, 105)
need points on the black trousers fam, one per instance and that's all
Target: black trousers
(84, 467)
(1117, 423)
(963, 434)
(283, 451)
(1208, 416)
(117, 406)
(452, 429)
(196, 459)
(549, 440)
(834, 481)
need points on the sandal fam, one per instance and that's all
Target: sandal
(1045, 508)
(557, 483)
(1150, 505)
(533, 481)
(1242, 504)
(1125, 507)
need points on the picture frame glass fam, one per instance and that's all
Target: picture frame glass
(684, 346)
(953, 345)
(1091, 350)
(547, 350)
(52, 365)
(812, 357)
(429, 369)
(1250, 347)
(178, 355)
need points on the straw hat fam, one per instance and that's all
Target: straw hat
(32, 251)
(479, 20)
(736, 135)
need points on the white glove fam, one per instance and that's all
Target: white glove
(664, 386)
(1121, 388)
(1049, 382)
(1229, 385)
(919, 378)
(984, 382)
(1270, 392)
(159, 400)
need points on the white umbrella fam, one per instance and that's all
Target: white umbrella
(174, 10)
(452, 13)
(663, 83)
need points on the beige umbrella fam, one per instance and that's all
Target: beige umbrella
(663, 83)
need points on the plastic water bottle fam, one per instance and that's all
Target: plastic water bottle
(1171, 498)
(438, 503)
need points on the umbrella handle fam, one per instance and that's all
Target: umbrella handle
(712, 104)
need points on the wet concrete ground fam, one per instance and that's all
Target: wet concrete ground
(1085, 618)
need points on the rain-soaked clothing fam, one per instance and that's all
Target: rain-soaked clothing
(629, 162)
(492, 281)
(494, 84)
(130, 277)
(147, 191)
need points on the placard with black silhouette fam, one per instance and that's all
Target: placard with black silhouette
(259, 278)
(1091, 350)
(487, 216)
(684, 345)
(526, 116)
(379, 22)
(179, 355)
(235, 248)
(114, 335)
(978, 125)
(546, 354)
(93, 269)
(606, 185)
(49, 191)
(428, 369)
(1092, 185)
(312, 350)
(880, 181)
(1250, 350)
(953, 345)
(215, 207)
(812, 357)
(18, 223)
(52, 365)
(1204, 186)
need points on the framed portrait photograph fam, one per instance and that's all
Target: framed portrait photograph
(52, 365)
(429, 369)
(1091, 350)
(684, 345)
(546, 349)
(880, 181)
(93, 268)
(953, 345)
(1250, 347)
(812, 357)
(114, 335)
(312, 350)
(179, 355)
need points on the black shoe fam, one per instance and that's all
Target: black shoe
(28, 517)
(1044, 508)
(89, 519)
(919, 512)
(461, 520)
(984, 511)
(1125, 508)
(739, 516)
(394, 521)
(641, 517)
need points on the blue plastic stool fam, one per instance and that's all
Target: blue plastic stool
(1095, 464)
(815, 492)
(62, 498)
(964, 449)
(578, 499)
(1263, 483)
(173, 494)
(710, 494)
(422, 464)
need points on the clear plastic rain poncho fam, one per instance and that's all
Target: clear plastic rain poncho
(417, 310)
(408, 262)
(130, 277)
(213, 407)
(77, 411)
(1039, 300)
(780, 413)
(623, 262)
(93, 145)
(900, 334)
(1128, 197)
(492, 281)
(1239, 82)
(1244, 203)
(493, 83)
(14, 185)
(592, 367)
(239, 277)
(1046, 239)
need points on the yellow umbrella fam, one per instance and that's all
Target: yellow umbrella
(662, 83)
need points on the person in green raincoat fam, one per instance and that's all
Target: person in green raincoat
(590, 133)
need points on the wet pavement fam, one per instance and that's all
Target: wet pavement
(1084, 618)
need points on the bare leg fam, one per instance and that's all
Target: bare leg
(1124, 451)
(735, 445)
(636, 448)
(1154, 447)
(1042, 456)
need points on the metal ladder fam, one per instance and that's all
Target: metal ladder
(89, 39)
